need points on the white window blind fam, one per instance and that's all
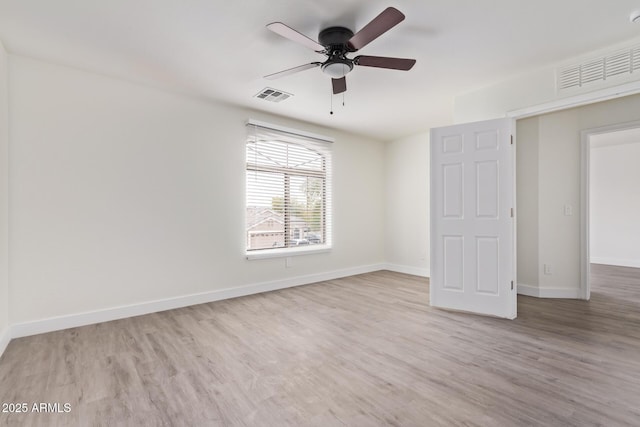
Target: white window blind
(288, 191)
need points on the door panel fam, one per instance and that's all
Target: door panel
(453, 262)
(487, 188)
(472, 229)
(488, 265)
(453, 178)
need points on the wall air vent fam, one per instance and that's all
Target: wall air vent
(273, 95)
(597, 70)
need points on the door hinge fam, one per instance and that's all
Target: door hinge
(511, 139)
(511, 212)
(512, 285)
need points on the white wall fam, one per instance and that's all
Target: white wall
(4, 209)
(559, 185)
(537, 87)
(407, 204)
(492, 102)
(556, 138)
(615, 204)
(527, 176)
(122, 194)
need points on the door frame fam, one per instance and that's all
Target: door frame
(594, 97)
(585, 185)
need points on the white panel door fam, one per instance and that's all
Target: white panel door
(472, 222)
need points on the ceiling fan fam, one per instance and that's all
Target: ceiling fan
(336, 42)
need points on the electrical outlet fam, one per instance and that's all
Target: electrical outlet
(288, 262)
(548, 269)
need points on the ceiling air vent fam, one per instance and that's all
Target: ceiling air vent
(273, 95)
(619, 63)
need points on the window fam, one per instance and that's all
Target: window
(288, 178)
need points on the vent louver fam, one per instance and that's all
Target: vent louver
(619, 63)
(273, 95)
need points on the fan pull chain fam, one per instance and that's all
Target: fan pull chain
(331, 110)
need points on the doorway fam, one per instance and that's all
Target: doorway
(611, 200)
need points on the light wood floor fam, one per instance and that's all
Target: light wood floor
(361, 351)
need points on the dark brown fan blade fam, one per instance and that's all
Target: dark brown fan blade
(292, 70)
(293, 35)
(384, 62)
(389, 18)
(339, 85)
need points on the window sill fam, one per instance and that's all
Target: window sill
(283, 253)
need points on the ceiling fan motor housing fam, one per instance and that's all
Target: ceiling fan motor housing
(335, 39)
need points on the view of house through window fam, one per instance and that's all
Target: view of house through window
(287, 191)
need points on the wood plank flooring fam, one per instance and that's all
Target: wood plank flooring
(360, 351)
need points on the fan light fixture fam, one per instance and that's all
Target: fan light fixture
(337, 70)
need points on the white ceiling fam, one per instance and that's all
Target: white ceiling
(221, 49)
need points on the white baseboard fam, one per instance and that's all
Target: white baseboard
(106, 315)
(535, 291)
(406, 269)
(617, 262)
(528, 290)
(5, 337)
